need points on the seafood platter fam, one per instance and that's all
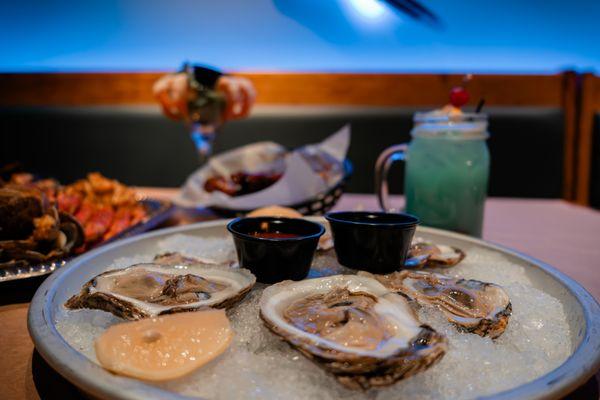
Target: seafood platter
(271, 307)
(46, 223)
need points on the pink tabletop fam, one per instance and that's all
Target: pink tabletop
(559, 233)
(562, 234)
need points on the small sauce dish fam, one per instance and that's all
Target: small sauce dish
(275, 249)
(377, 242)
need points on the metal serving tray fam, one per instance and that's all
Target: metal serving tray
(580, 306)
(158, 212)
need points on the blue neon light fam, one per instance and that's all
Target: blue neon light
(309, 35)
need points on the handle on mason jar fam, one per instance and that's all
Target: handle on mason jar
(382, 167)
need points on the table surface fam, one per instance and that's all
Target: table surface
(559, 233)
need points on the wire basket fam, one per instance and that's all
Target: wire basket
(318, 205)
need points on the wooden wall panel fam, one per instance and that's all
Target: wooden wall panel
(589, 105)
(398, 89)
(288, 88)
(411, 90)
(76, 88)
(569, 106)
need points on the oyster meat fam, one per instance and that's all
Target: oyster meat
(148, 290)
(424, 253)
(474, 306)
(353, 327)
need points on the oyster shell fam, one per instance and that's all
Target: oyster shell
(424, 253)
(32, 230)
(353, 327)
(175, 258)
(148, 290)
(474, 306)
(325, 241)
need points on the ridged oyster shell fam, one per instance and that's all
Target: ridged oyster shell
(427, 254)
(151, 289)
(353, 327)
(474, 306)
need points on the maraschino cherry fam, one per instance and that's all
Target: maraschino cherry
(459, 96)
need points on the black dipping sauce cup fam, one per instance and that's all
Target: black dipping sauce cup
(275, 249)
(377, 242)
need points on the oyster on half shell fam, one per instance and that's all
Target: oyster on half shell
(148, 290)
(423, 253)
(474, 306)
(176, 258)
(353, 327)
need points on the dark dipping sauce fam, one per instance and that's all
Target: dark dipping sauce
(275, 249)
(274, 235)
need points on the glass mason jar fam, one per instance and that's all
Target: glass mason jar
(446, 174)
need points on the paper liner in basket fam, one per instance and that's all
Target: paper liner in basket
(307, 172)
